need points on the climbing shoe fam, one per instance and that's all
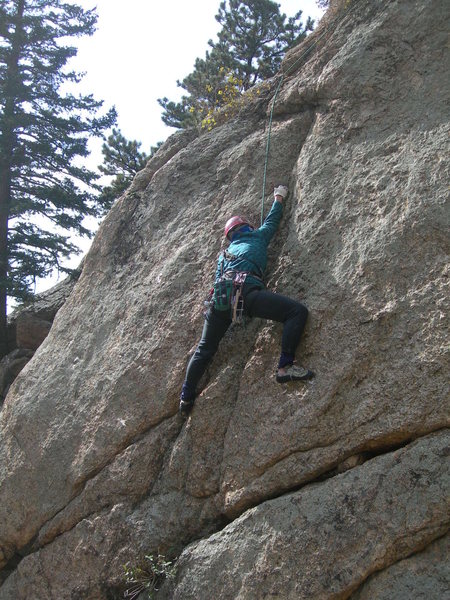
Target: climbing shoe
(294, 373)
(187, 398)
(185, 408)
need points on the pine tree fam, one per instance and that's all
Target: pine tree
(256, 36)
(122, 160)
(251, 44)
(201, 85)
(44, 193)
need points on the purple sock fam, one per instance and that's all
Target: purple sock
(285, 360)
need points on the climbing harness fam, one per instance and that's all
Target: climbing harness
(259, 274)
(237, 300)
(301, 57)
(227, 293)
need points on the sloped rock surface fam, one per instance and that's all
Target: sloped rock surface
(424, 576)
(28, 326)
(10, 367)
(96, 468)
(328, 537)
(31, 331)
(39, 313)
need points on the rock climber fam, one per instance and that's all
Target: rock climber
(239, 289)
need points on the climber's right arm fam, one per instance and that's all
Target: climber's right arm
(273, 219)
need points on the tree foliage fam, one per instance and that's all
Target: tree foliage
(122, 159)
(252, 41)
(45, 193)
(255, 36)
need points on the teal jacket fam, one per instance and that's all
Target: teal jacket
(249, 250)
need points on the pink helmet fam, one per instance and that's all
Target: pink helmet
(234, 222)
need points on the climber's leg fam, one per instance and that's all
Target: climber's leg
(215, 327)
(276, 307)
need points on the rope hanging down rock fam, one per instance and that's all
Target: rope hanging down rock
(332, 25)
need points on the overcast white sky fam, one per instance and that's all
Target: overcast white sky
(139, 51)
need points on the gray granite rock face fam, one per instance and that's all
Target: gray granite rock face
(28, 326)
(324, 540)
(423, 576)
(96, 469)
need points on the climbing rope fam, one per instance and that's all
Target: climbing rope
(294, 64)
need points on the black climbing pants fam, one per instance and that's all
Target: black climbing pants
(259, 303)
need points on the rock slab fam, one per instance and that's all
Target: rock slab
(329, 537)
(96, 469)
